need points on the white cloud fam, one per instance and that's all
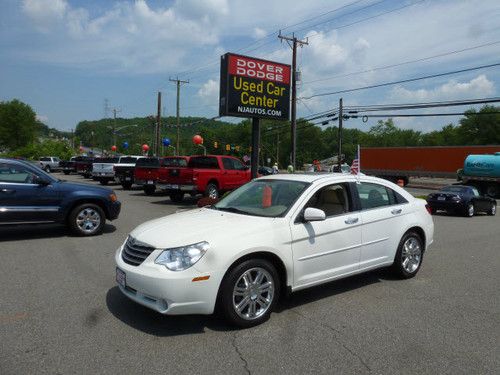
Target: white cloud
(478, 87)
(209, 92)
(45, 12)
(259, 33)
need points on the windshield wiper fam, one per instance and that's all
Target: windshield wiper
(233, 209)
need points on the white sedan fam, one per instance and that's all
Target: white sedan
(274, 235)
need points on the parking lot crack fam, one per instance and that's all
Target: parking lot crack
(235, 346)
(337, 338)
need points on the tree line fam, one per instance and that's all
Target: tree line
(21, 134)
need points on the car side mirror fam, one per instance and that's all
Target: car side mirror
(40, 181)
(314, 214)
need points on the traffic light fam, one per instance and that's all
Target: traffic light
(228, 147)
(237, 148)
(215, 145)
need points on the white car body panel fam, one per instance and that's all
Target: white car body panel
(311, 253)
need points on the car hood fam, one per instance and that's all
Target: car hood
(72, 186)
(203, 224)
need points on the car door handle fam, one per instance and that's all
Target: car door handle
(7, 191)
(396, 211)
(351, 220)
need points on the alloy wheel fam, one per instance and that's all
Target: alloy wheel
(411, 255)
(88, 220)
(253, 293)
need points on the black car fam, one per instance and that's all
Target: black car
(462, 200)
(265, 171)
(28, 195)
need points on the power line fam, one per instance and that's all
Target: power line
(424, 114)
(402, 63)
(402, 81)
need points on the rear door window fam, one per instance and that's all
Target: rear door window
(373, 195)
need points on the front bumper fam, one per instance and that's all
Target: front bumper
(169, 292)
(114, 209)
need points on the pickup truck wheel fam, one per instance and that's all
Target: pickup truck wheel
(126, 185)
(212, 191)
(103, 182)
(47, 168)
(87, 219)
(249, 292)
(66, 173)
(149, 189)
(177, 197)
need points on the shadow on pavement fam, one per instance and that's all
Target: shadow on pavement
(40, 231)
(153, 323)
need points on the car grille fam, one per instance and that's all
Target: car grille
(135, 252)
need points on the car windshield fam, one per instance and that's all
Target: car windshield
(268, 198)
(455, 189)
(175, 162)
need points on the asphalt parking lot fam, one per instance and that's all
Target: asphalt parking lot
(61, 313)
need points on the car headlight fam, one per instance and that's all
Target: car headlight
(181, 258)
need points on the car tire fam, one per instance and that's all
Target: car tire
(469, 210)
(212, 191)
(409, 255)
(126, 185)
(242, 301)
(149, 189)
(493, 209)
(66, 173)
(87, 219)
(177, 197)
(103, 182)
(47, 169)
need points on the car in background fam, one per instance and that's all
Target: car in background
(103, 169)
(49, 163)
(461, 200)
(124, 170)
(68, 166)
(272, 235)
(265, 171)
(28, 195)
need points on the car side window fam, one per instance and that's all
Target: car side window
(373, 196)
(332, 199)
(238, 165)
(15, 174)
(228, 163)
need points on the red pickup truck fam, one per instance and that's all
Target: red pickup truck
(149, 171)
(209, 175)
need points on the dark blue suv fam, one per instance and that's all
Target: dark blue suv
(29, 195)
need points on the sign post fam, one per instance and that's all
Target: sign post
(254, 88)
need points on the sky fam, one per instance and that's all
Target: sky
(66, 58)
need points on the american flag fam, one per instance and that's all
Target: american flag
(356, 164)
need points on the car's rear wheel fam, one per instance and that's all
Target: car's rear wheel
(409, 255)
(149, 189)
(126, 185)
(249, 292)
(212, 191)
(469, 210)
(87, 219)
(177, 197)
(47, 169)
(493, 209)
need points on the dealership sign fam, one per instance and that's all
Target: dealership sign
(251, 87)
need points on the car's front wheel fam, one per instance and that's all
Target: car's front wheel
(408, 256)
(249, 292)
(87, 219)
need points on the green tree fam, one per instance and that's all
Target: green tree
(480, 128)
(17, 125)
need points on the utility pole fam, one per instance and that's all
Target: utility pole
(178, 83)
(293, 42)
(114, 125)
(341, 117)
(158, 127)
